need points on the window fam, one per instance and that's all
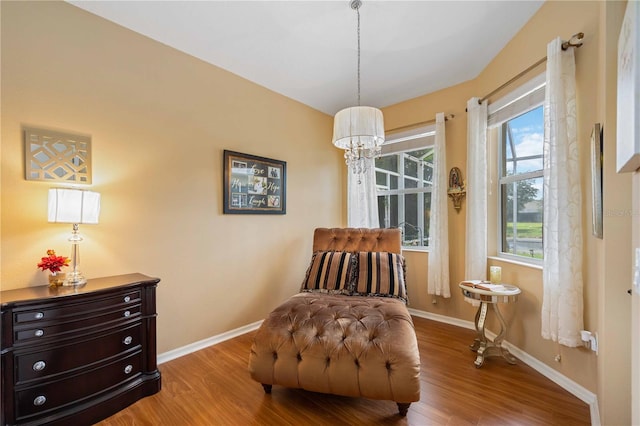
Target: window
(403, 180)
(516, 125)
(520, 180)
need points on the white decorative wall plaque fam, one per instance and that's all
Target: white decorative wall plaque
(57, 157)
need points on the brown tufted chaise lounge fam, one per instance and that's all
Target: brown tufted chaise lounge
(351, 345)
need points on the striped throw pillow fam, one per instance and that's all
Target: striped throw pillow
(330, 272)
(381, 274)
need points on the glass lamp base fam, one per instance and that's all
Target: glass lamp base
(74, 279)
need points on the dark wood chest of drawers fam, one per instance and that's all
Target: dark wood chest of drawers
(77, 355)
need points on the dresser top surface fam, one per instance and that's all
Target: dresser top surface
(33, 294)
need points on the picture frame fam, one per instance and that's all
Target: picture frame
(628, 92)
(253, 184)
(596, 180)
(57, 157)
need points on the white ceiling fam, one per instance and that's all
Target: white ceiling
(307, 50)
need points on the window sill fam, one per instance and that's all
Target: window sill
(516, 262)
(416, 249)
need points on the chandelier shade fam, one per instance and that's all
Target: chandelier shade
(358, 126)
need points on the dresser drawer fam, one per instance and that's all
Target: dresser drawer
(38, 331)
(57, 311)
(39, 399)
(77, 354)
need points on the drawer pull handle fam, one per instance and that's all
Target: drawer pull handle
(128, 369)
(39, 400)
(39, 315)
(127, 299)
(39, 366)
(39, 333)
(127, 340)
(126, 313)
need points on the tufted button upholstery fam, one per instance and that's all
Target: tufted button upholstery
(344, 345)
(356, 239)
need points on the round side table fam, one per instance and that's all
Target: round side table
(487, 294)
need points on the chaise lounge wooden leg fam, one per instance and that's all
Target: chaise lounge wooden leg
(403, 407)
(267, 388)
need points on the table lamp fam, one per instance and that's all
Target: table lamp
(74, 206)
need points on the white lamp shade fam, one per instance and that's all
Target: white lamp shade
(359, 125)
(73, 206)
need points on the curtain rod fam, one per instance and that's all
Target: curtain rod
(421, 123)
(574, 41)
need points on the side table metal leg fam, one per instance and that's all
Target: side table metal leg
(500, 337)
(475, 345)
(480, 357)
(481, 340)
(478, 339)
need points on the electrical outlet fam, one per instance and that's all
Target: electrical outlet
(590, 340)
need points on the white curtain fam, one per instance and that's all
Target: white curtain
(476, 242)
(362, 203)
(562, 229)
(438, 274)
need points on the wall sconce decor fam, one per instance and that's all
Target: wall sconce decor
(74, 206)
(57, 157)
(456, 188)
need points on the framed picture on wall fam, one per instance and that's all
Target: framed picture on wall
(254, 185)
(628, 120)
(596, 180)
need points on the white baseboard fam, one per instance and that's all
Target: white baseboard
(441, 318)
(563, 381)
(205, 343)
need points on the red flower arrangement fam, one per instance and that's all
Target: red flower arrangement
(52, 262)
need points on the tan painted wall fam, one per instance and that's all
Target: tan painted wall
(159, 121)
(614, 305)
(606, 262)
(635, 314)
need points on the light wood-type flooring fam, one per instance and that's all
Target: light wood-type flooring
(213, 387)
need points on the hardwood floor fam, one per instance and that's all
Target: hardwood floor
(213, 387)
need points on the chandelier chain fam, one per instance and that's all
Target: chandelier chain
(358, 12)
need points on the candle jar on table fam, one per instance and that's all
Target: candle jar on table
(495, 274)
